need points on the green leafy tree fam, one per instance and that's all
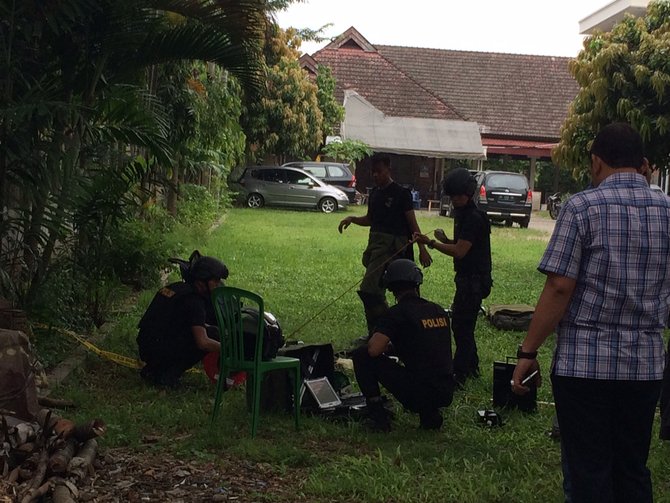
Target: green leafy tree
(333, 112)
(624, 75)
(350, 151)
(286, 121)
(507, 163)
(74, 110)
(219, 141)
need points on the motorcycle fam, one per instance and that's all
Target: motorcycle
(554, 205)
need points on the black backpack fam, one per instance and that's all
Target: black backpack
(273, 339)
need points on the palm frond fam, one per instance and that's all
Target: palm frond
(132, 116)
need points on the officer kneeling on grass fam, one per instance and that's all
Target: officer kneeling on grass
(418, 330)
(179, 327)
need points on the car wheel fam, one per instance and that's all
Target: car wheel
(327, 205)
(255, 201)
(524, 223)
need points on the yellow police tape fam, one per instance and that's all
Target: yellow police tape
(126, 361)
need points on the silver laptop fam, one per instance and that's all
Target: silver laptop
(323, 393)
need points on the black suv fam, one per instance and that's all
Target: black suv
(333, 173)
(504, 196)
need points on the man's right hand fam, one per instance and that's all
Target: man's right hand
(524, 368)
(346, 222)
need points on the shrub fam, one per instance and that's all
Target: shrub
(197, 206)
(139, 253)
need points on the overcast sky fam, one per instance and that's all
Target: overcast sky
(544, 27)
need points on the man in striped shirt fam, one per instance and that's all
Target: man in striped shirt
(606, 293)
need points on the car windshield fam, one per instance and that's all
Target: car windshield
(498, 181)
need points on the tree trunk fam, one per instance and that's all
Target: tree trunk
(81, 463)
(172, 190)
(60, 459)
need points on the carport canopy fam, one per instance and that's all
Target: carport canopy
(439, 138)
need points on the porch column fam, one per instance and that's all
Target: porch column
(436, 177)
(531, 178)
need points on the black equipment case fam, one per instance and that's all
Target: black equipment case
(316, 360)
(502, 389)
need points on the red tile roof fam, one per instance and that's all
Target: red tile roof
(508, 95)
(382, 84)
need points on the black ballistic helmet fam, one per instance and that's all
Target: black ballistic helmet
(459, 182)
(402, 271)
(205, 268)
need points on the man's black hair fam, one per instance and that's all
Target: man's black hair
(459, 182)
(619, 146)
(379, 159)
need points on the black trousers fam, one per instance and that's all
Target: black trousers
(605, 436)
(664, 432)
(170, 356)
(470, 290)
(415, 392)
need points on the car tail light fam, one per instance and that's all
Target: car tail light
(529, 197)
(482, 193)
(352, 183)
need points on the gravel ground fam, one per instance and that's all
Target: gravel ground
(541, 224)
(536, 221)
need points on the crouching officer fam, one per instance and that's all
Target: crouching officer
(419, 332)
(179, 327)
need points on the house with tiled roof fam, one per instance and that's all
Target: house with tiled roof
(517, 102)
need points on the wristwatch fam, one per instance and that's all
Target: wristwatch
(431, 244)
(520, 353)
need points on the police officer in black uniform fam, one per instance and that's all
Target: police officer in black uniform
(471, 250)
(418, 330)
(392, 223)
(179, 327)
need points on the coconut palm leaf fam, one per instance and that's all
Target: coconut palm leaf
(70, 103)
(131, 116)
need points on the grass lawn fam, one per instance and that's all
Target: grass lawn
(300, 264)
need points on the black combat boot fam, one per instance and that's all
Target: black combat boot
(379, 418)
(430, 419)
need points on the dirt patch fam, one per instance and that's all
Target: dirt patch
(126, 475)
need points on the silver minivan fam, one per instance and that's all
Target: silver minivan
(287, 186)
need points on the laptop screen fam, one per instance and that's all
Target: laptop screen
(323, 392)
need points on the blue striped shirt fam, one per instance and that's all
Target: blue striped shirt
(614, 240)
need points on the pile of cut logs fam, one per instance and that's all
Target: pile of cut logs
(50, 456)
